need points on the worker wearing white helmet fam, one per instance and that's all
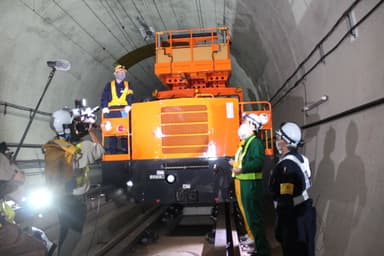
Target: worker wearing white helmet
(289, 184)
(67, 160)
(247, 171)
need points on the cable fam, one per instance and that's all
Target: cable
(314, 50)
(105, 25)
(118, 23)
(351, 111)
(224, 12)
(174, 14)
(199, 13)
(45, 19)
(158, 13)
(85, 31)
(329, 52)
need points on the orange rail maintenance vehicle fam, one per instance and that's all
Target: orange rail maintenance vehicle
(179, 144)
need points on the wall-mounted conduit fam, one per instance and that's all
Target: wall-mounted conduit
(323, 55)
(351, 111)
(22, 108)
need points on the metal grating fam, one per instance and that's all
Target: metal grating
(184, 129)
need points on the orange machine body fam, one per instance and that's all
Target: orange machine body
(177, 147)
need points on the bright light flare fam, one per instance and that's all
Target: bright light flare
(40, 198)
(211, 151)
(158, 133)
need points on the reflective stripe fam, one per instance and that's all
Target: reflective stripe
(301, 198)
(7, 211)
(303, 166)
(119, 101)
(250, 176)
(297, 200)
(239, 158)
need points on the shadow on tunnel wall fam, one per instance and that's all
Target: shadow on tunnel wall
(342, 196)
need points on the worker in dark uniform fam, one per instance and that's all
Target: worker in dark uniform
(116, 94)
(289, 183)
(247, 168)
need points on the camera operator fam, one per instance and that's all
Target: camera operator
(70, 180)
(13, 241)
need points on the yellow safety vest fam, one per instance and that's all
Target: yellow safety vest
(7, 212)
(119, 101)
(239, 158)
(83, 177)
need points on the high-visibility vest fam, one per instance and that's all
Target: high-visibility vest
(239, 158)
(289, 187)
(6, 212)
(119, 101)
(304, 166)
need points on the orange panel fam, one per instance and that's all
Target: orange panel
(186, 117)
(115, 157)
(184, 129)
(183, 150)
(184, 108)
(185, 140)
(181, 53)
(193, 131)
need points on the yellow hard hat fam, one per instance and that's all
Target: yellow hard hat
(119, 67)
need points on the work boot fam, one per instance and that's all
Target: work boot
(250, 250)
(248, 242)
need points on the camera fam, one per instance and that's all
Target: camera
(83, 118)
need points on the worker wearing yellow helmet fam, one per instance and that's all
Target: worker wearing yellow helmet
(117, 94)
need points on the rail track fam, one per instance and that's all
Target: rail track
(176, 230)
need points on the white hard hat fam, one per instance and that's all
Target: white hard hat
(59, 118)
(291, 133)
(254, 119)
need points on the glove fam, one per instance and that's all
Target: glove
(127, 109)
(105, 110)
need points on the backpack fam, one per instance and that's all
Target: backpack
(61, 161)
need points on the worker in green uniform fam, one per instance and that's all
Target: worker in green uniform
(249, 172)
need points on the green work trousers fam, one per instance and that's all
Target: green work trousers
(252, 197)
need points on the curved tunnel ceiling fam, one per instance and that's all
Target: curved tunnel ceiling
(137, 55)
(268, 39)
(121, 31)
(94, 35)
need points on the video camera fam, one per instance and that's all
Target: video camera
(83, 118)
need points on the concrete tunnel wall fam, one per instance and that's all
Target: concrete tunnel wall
(270, 39)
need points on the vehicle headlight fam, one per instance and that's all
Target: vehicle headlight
(107, 126)
(170, 178)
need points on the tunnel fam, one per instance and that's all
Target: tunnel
(318, 62)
